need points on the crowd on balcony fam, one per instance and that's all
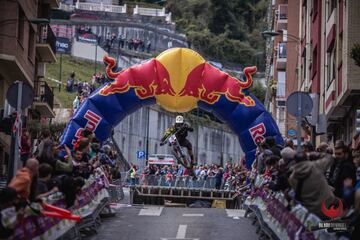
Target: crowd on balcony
(51, 169)
(134, 44)
(112, 41)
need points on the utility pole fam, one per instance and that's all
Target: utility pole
(95, 60)
(60, 74)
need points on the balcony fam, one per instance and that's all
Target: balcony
(44, 99)
(46, 45)
(282, 16)
(52, 3)
(281, 57)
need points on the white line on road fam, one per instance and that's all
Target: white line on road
(193, 215)
(151, 211)
(235, 213)
(181, 231)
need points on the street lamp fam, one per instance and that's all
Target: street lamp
(267, 34)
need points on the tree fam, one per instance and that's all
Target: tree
(355, 53)
(222, 30)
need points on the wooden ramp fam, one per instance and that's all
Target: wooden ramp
(158, 195)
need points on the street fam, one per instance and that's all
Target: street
(158, 222)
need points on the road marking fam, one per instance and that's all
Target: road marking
(181, 231)
(193, 215)
(151, 211)
(235, 213)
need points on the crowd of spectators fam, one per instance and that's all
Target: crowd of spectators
(50, 168)
(230, 177)
(312, 177)
(83, 89)
(135, 44)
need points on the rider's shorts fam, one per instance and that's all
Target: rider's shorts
(185, 143)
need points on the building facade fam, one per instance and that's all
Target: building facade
(329, 29)
(27, 43)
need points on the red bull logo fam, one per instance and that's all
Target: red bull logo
(148, 79)
(257, 133)
(209, 83)
(178, 79)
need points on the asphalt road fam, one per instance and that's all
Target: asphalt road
(162, 223)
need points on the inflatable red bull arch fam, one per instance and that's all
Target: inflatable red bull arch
(179, 80)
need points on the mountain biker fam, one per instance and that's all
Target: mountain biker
(181, 129)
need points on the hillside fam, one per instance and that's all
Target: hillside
(83, 71)
(223, 30)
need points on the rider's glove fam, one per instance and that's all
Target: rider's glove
(162, 144)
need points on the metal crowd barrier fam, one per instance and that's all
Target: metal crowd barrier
(178, 181)
(274, 220)
(91, 204)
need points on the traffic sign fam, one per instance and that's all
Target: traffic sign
(292, 132)
(299, 104)
(140, 154)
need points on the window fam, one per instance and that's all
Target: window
(281, 84)
(281, 114)
(340, 52)
(31, 49)
(21, 22)
(303, 66)
(314, 62)
(331, 5)
(331, 66)
(303, 20)
(315, 8)
(282, 50)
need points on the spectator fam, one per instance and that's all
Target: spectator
(323, 147)
(25, 179)
(308, 147)
(25, 146)
(218, 178)
(309, 182)
(45, 173)
(8, 214)
(263, 153)
(342, 172)
(70, 82)
(62, 182)
(289, 143)
(76, 103)
(48, 154)
(133, 175)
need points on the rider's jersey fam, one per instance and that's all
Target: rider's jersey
(181, 129)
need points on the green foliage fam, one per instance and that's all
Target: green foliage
(258, 90)
(35, 129)
(355, 53)
(225, 30)
(83, 71)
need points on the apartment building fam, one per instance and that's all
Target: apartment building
(285, 33)
(27, 43)
(329, 29)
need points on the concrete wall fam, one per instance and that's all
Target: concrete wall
(211, 143)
